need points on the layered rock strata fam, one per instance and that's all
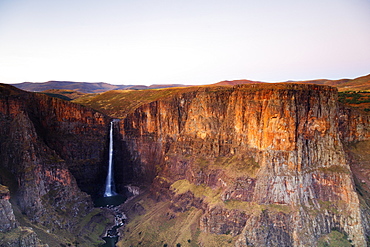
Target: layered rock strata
(266, 163)
(51, 147)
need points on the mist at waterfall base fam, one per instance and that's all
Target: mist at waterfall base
(110, 197)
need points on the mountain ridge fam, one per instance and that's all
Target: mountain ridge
(85, 87)
(359, 83)
(356, 84)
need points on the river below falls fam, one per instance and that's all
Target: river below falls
(111, 236)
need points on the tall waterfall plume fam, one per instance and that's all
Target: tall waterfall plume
(109, 183)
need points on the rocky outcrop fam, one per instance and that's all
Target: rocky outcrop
(53, 149)
(10, 233)
(266, 162)
(19, 237)
(354, 126)
(7, 218)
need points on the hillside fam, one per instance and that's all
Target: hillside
(63, 94)
(357, 84)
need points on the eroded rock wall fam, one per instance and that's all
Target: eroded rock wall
(54, 149)
(354, 126)
(11, 234)
(266, 162)
(7, 218)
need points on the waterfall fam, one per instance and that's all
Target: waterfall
(109, 183)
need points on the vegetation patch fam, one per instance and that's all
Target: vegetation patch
(212, 198)
(214, 240)
(317, 207)
(357, 99)
(159, 226)
(209, 195)
(17, 236)
(3, 189)
(335, 168)
(334, 239)
(237, 166)
(253, 208)
(361, 150)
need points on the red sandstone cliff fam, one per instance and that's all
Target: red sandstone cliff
(264, 163)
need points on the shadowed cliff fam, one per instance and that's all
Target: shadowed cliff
(51, 153)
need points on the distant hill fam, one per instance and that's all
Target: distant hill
(357, 84)
(63, 94)
(235, 82)
(84, 87)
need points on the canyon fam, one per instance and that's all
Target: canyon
(246, 165)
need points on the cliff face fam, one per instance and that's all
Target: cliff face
(353, 125)
(264, 163)
(52, 148)
(10, 233)
(7, 218)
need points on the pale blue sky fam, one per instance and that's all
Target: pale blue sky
(183, 41)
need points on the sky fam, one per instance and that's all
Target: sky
(183, 41)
